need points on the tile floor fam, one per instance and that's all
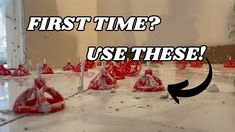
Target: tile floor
(125, 110)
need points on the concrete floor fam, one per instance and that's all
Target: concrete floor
(125, 110)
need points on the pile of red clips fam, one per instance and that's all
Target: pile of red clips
(21, 71)
(196, 64)
(103, 81)
(229, 63)
(68, 67)
(181, 64)
(35, 101)
(4, 71)
(149, 83)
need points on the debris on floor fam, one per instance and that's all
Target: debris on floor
(134, 91)
(140, 106)
(2, 119)
(213, 88)
(136, 97)
(112, 90)
(26, 128)
(164, 96)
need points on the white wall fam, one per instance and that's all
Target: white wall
(3, 32)
(15, 33)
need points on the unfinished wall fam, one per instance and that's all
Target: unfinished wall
(220, 53)
(115, 8)
(57, 47)
(185, 22)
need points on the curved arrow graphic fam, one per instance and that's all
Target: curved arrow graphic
(175, 90)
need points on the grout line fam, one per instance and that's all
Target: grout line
(10, 121)
(77, 93)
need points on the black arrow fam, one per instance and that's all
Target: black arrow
(175, 90)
